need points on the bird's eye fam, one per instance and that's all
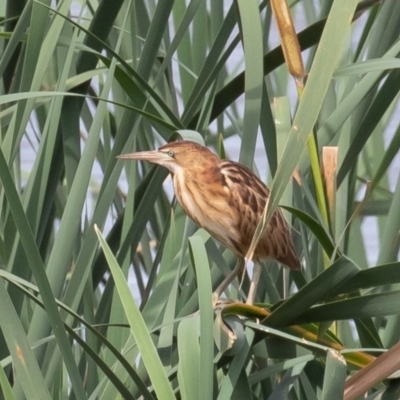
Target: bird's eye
(171, 153)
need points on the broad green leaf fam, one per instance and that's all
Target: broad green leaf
(27, 369)
(335, 375)
(189, 367)
(251, 32)
(138, 327)
(372, 305)
(315, 291)
(200, 261)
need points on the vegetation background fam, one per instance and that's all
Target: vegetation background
(83, 81)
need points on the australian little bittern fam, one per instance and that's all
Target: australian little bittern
(227, 200)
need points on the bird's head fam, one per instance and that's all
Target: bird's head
(174, 156)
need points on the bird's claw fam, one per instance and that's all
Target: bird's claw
(219, 303)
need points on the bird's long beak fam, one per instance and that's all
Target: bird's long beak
(153, 156)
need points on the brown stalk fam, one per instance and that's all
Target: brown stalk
(289, 40)
(375, 372)
(329, 170)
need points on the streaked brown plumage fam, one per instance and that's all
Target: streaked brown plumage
(227, 200)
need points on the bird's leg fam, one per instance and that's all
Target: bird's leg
(242, 274)
(254, 283)
(226, 282)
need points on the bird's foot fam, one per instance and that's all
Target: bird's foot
(215, 300)
(219, 303)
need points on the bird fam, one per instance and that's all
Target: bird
(226, 199)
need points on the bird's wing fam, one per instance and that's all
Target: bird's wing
(247, 191)
(249, 195)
